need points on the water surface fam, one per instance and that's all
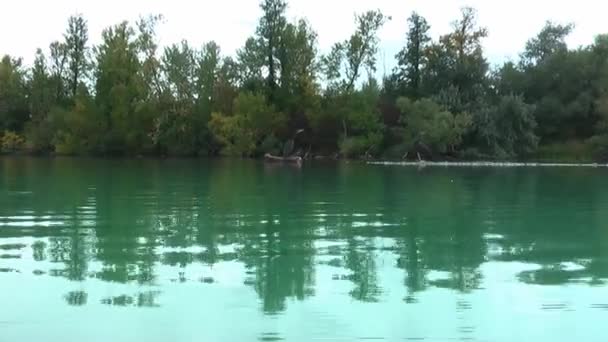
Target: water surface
(183, 250)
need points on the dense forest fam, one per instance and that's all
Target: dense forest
(280, 95)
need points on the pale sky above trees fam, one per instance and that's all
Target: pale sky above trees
(29, 24)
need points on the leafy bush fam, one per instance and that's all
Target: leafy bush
(253, 122)
(599, 147)
(397, 151)
(429, 123)
(12, 142)
(271, 145)
(360, 146)
(230, 133)
(570, 151)
(39, 136)
(507, 129)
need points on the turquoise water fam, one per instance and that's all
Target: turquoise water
(185, 250)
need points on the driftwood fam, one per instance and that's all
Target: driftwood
(270, 158)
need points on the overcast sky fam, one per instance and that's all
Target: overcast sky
(29, 24)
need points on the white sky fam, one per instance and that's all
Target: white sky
(28, 24)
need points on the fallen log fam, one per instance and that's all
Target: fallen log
(270, 158)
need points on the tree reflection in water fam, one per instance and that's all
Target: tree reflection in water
(147, 222)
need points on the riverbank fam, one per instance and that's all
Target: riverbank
(486, 164)
(422, 163)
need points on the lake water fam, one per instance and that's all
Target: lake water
(184, 250)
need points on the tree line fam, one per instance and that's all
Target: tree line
(280, 95)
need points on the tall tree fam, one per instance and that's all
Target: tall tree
(41, 100)
(59, 58)
(344, 64)
(362, 47)
(457, 69)
(207, 73)
(411, 59)
(343, 104)
(560, 82)
(40, 95)
(177, 125)
(297, 94)
(178, 66)
(76, 39)
(118, 90)
(226, 88)
(148, 46)
(251, 61)
(550, 40)
(14, 110)
(269, 31)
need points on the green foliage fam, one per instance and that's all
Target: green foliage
(507, 129)
(298, 66)
(125, 96)
(550, 40)
(598, 145)
(13, 95)
(361, 146)
(11, 142)
(262, 118)
(456, 68)
(269, 31)
(232, 135)
(563, 84)
(270, 144)
(80, 130)
(39, 135)
(76, 39)
(569, 151)
(356, 53)
(425, 122)
(254, 122)
(412, 59)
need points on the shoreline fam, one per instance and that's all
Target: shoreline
(486, 164)
(422, 163)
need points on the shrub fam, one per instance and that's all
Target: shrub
(360, 146)
(12, 142)
(570, 151)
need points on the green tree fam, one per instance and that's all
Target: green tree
(41, 100)
(549, 41)
(562, 84)
(343, 67)
(148, 49)
(297, 57)
(76, 39)
(207, 75)
(412, 58)
(226, 87)
(509, 79)
(269, 31)
(14, 111)
(456, 69)
(80, 129)
(507, 129)
(178, 127)
(251, 62)
(426, 123)
(253, 123)
(363, 119)
(356, 53)
(119, 92)
(58, 70)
